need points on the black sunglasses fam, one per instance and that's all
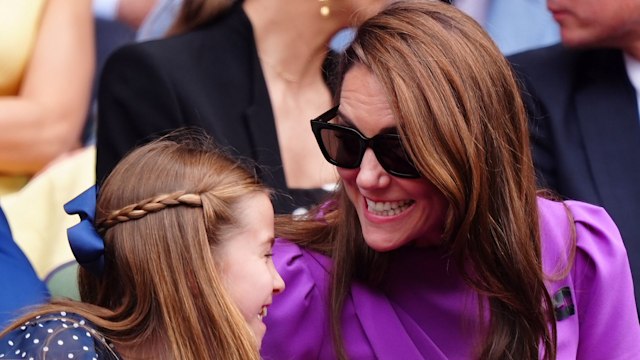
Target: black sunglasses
(344, 147)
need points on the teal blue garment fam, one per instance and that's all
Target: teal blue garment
(19, 284)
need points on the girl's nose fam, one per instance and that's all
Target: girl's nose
(278, 283)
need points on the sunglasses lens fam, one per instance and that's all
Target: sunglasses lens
(393, 158)
(345, 147)
(342, 146)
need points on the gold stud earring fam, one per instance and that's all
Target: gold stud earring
(324, 8)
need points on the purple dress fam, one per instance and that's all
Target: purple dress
(423, 310)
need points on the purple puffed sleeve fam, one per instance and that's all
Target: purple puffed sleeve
(606, 308)
(297, 321)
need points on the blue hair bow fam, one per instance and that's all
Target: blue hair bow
(87, 245)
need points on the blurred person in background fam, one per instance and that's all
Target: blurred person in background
(46, 70)
(514, 25)
(47, 62)
(582, 95)
(249, 72)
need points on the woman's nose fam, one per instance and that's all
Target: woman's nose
(371, 175)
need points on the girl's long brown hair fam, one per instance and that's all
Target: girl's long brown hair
(161, 287)
(463, 123)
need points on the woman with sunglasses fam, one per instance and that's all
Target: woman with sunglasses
(437, 244)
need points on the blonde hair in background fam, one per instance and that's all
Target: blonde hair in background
(161, 286)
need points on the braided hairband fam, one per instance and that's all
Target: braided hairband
(85, 239)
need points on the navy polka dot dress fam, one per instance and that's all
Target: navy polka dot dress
(59, 336)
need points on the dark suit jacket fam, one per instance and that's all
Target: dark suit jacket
(209, 78)
(586, 132)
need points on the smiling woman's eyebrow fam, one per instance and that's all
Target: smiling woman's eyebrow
(345, 120)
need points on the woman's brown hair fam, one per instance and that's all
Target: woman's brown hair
(166, 206)
(463, 123)
(194, 13)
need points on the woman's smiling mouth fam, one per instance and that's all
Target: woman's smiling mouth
(388, 208)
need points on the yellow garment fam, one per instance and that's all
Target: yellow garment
(10, 184)
(36, 215)
(19, 25)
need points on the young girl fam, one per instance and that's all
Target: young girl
(175, 264)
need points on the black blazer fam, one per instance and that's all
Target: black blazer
(585, 132)
(209, 78)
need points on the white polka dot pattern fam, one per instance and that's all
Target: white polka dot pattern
(58, 335)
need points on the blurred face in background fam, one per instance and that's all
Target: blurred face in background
(602, 23)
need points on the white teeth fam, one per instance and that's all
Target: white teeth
(387, 208)
(262, 313)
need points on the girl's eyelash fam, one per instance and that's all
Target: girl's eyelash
(269, 254)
